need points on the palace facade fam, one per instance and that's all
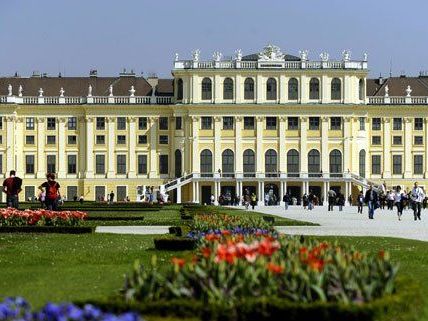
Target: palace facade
(261, 122)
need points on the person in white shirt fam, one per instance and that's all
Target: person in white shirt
(417, 196)
(398, 201)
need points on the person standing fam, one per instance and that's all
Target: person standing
(340, 200)
(305, 201)
(111, 197)
(286, 200)
(418, 196)
(51, 189)
(360, 201)
(371, 198)
(399, 198)
(311, 198)
(212, 199)
(331, 198)
(12, 187)
(253, 200)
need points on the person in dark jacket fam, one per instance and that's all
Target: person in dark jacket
(286, 199)
(371, 199)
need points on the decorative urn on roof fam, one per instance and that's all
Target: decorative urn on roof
(408, 91)
(271, 53)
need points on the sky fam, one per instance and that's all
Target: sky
(74, 36)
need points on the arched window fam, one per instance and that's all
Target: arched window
(361, 89)
(293, 166)
(207, 92)
(228, 88)
(206, 163)
(336, 89)
(271, 89)
(335, 163)
(293, 89)
(249, 88)
(271, 167)
(228, 163)
(314, 169)
(314, 89)
(362, 163)
(180, 89)
(178, 163)
(249, 162)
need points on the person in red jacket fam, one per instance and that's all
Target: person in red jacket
(51, 188)
(12, 187)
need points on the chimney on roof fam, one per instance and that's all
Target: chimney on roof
(36, 74)
(93, 73)
(381, 80)
(125, 73)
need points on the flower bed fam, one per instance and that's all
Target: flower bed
(14, 217)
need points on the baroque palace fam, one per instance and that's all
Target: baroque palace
(262, 122)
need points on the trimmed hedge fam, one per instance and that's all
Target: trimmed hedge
(176, 230)
(110, 209)
(403, 306)
(269, 219)
(174, 243)
(114, 218)
(47, 229)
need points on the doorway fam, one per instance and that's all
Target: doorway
(271, 194)
(294, 192)
(206, 195)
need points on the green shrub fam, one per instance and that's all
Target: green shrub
(174, 243)
(114, 218)
(47, 229)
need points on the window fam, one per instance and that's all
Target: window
(72, 123)
(293, 166)
(1, 163)
(121, 164)
(271, 162)
(206, 162)
(293, 89)
(1, 122)
(314, 89)
(376, 123)
(29, 164)
(71, 192)
(51, 123)
(163, 164)
(362, 163)
(314, 163)
(163, 123)
(335, 123)
(121, 193)
(419, 124)
(142, 164)
(293, 123)
(29, 140)
(376, 140)
(397, 140)
(29, 123)
(100, 192)
(180, 89)
(335, 162)
(206, 122)
(51, 140)
(142, 139)
(362, 123)
(419, 140)
(376, 159)
(206, 89)
(228, 88)
(228, 163)
(121, 139)
(418, 164)
(178, 123)
(397, 165)
(361, 89)
(314, 123)
(72, 167)
(336, 89)
(1, 139)
(142, 123)
(100, 123)
(249, 163)
(227, 123)
(51, 163)
(397, 124)
(100, 164)
(100, 140)
(30, 192)
(71, 139)
(248, 123)
(271, 123)
(271, 89)
(121, 123)
(249, 88)
(178, 163)
(163, 139)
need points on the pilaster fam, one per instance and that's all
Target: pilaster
(10, 143)
(346, 144)
(153, 146)
(238, 147)
(259, 144)
(61, 147)
(386, 148)
(408, 156)
(90, 147)
(19, 143)
(282, 146)
(41, 163)
(217, 143)
(324, 146)
(196, 168)
(131, 147)
(303, 145)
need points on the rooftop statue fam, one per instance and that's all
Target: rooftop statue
(110, 91)
(271, 53)
(20, 91)
(386, 91)
(346, 55)
(365, 55)
(217, 55)
(408, 91)
(41, 92)
(303, 55)
(132, 91)
(238, 54)
(176, 56)
(61, 92)
(324, 56)
(9, 90)
(90, 91)
(195, 55)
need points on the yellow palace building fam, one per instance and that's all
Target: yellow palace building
(261, 122)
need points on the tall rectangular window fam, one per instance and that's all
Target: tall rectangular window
(100, 164)
(206, 122)
(397, 124)
(142, 164)
(51, 140)
(397, 140)
(376, 140)
(335, 123)
(376, 159)
(71, 164)
(29, 164)
(51, 123)
(419, 140)
(51, 163)
(249, 123)
(362, 123)
(29, 123)
(72, 123)
(142, 123)
(271, 123)
(72, 139)
(227, 123)
(397, 167)
(163, 139)
(101, 123)
(178, 123)
(121, 139)
(121, 123)
(142, 139)
(376, 123)
(293, 123)
(163, 123)
(419, 123)
(29, 140)
(314, 123)
(418, 164)
(1, 163)
(121, 164)
(100, 140)
(163, 164)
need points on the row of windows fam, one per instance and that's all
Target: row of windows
(271, 89)
(397, 123)
(397, 140)
(397, 164)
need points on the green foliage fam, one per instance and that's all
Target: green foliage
(174, 243)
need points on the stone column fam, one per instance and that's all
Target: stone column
(193, 192)
(426, 147)
(282, 147)
(346, 144)
(131, 147)
(238, 147)
(153, 147)
(282, 89)
(259, 145)
(178, 194)
(111, 136)
(304, 89)
(303, 146)
(10, 143)
(41, 162)
(386, 148)
(261, 194)
(82, 146)
(62, 160)
(217, 143)
(238, 97)
(408, 156)
(324, 146)
(19, 143)
(196, 168)
(259, 92)
(90, 147)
